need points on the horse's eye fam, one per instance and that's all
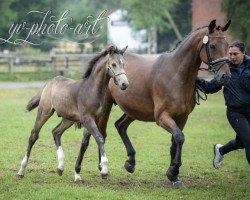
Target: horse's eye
(212, 46)
(113, 65)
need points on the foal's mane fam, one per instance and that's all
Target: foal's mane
(93, 62)
(184, 39)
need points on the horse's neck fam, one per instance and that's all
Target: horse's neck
(186, 59)
(100, 80)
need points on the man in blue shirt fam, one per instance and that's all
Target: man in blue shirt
(237, 99)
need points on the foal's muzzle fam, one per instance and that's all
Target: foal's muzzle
(122, 81)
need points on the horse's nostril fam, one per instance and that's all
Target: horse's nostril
(225, 78)
(124, 86)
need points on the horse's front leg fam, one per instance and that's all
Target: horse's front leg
(84, 146)
(89, 123)
(178, 139)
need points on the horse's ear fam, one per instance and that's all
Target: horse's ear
(212, 26)
(224, 28)
(110, 50)
(124, 49)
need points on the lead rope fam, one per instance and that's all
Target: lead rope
(198, 96)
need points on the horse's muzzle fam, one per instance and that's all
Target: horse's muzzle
(124, 86)
(225, 78)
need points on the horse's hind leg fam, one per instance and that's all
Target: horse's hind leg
(42, 116)
(121, 126)
(57, 133)
(84, 146)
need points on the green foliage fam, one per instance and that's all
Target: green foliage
(6, 19)
(207, 125)
(238, 12)
(142, 15)
(79, 10)
(182, 15)
(149, 13)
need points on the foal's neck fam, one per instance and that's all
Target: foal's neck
(100, 79)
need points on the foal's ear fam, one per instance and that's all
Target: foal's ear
(212, 26)
(110, 50)
(124, 49)
(224, 28)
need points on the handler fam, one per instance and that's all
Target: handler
(237, 99)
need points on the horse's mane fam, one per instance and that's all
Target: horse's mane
(94, 61)
(183, 39)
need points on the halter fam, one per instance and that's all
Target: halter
(220, 61)
(113, 74)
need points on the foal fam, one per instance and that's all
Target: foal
(80, 101)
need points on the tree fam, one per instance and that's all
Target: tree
(238, 11)
(6, 19)
(170, 18)
(182, 16)
(23, 7)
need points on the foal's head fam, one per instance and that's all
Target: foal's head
(214, 51)
(115, 66)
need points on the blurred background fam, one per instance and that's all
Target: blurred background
(147, 27)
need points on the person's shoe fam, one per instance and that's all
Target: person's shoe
(217, 156)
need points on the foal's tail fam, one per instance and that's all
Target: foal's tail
(34, 102)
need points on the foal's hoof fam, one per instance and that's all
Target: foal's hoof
(130, 168)
(105, 176)
(79, 181)
(171, 177)
(59, 172)
(177, 184)
(20, 175)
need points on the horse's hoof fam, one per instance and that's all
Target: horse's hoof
(171, 177)
(177, 184)
(59, 172)
(79, 181)
(130, 168)
(105, 176)
(20, 175)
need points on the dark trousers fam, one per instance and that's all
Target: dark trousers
(240, 122)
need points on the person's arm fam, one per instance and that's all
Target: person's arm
(209, 87)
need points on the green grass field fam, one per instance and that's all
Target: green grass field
(206, 126)
(36, 75)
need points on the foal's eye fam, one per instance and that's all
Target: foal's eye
(113, 65)
(212, 46)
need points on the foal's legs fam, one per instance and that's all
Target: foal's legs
(102, 125)
(178, 139)
(57, 133)
(84, 146)
(89, 123)
(121, 126)
(43, 115)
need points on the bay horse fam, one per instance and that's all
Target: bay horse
(77, 101)
(162, 90)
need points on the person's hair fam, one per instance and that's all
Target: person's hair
(238, 44)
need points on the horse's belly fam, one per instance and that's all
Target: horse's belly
(140, 110)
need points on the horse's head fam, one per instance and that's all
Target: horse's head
(214, 51)
(116, 66)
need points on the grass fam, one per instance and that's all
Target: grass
(206, 126)
(36, 75)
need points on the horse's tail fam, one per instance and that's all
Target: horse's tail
(34, 102)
